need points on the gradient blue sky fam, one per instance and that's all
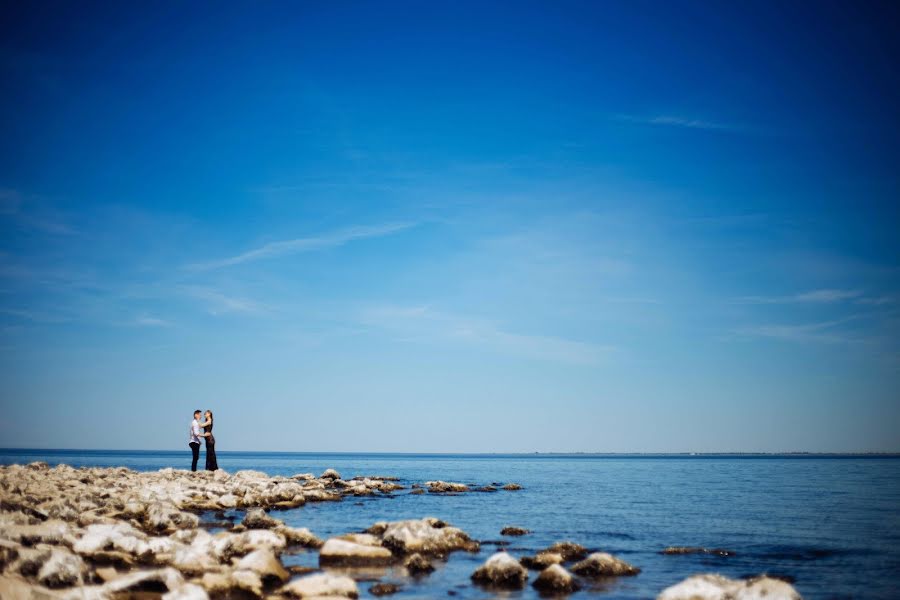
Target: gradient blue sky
(600, 226)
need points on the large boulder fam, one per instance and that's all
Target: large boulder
(426, 536)
(357, 549)
(226, 545)
(542, 560)
(602, 564)
(416, 564)
(256, 518)
(322, 585)
(446, 487)
(568, 550)
(299, 536)
(555, 579)
(265, 564)
(716, 587)
(330, 474)
(501, 570)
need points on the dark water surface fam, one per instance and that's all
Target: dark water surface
(831, 523)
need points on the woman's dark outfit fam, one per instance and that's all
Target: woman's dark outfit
(211, 464)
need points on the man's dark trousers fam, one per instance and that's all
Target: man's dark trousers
(195, 448)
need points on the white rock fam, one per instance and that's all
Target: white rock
(501, 570)
(322, 585)
(265, 564)
(717, 587)
(337, 551)
(189, 591)
(602, 564)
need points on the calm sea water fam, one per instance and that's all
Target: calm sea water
(831, 523)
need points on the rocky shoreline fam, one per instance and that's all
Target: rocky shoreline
(113, 534)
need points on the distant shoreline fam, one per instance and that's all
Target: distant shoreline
(663, 455)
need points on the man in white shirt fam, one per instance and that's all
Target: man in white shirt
(195, 439)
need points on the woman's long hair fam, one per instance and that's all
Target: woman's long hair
(209, 412)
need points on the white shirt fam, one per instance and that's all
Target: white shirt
(195, 432)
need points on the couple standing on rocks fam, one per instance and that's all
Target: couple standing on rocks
(203, 430)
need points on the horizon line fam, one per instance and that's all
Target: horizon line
(688, 454)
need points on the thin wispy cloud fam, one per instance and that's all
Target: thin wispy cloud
(677, 121)
(29, 216)
(150, 321)
(823, 332)
(218, 303)
(822, 296)
(306, 244)
(426, 324)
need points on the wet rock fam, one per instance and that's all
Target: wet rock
(228, 500)
(568, 550)
(299, 536)
(486, 488)
(330, 474)
(514, 531)
(227, 545)
(511, 487)
(265, 564)
(697, 550)
(426, 536)
(501, 570)
(61, 569)
(555, 579)
(417, 492)
(384, 589)
(321, 585)
(542, 560)
(446, 487)
(359, 549)
(716, 587)
(320, 496)
(602, 564)
(166, 518)
(256, 518)
(416, 564)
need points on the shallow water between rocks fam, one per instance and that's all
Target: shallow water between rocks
(832, 524)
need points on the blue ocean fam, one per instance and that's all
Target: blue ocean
(829, 523)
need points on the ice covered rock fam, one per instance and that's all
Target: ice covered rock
(602, 564)
(446, 487)
(299, 536)
(717, 587)
(555, 579)
(61, 569)
(568, 550)
(426, 536)
(358, 549)
(501, 570)
(188, 591)
(330, 474)
(321, 585)
(256, 518)
(416, 564)
(265, 564)
(542, 560)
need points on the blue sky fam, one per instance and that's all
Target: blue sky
(629, 226)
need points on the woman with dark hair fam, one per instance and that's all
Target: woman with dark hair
(207, 425)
